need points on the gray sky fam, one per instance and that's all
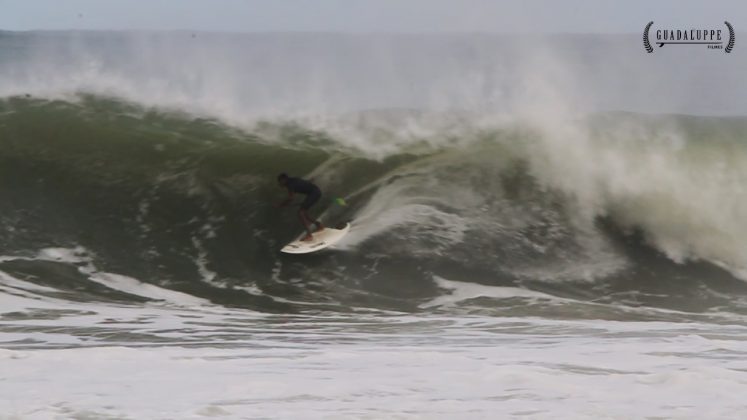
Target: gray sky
(522, 16)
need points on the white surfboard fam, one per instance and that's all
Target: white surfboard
(321, 240)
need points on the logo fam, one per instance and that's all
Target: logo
(713, 39)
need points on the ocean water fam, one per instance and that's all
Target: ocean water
(542, 227)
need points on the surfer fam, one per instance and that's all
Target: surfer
(312, 193)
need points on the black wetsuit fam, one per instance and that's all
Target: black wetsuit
(301, 186)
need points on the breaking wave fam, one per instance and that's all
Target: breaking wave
(134, 180)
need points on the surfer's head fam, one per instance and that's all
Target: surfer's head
(282, 179)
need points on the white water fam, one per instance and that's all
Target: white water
(63, 359)
(229, 364)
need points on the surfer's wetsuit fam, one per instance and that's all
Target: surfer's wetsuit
(301, 186)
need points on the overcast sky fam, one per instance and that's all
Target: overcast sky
(522, 16)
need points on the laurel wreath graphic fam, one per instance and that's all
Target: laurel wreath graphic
(646, 44)
(730, 45)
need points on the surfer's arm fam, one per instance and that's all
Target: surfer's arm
(287, 200)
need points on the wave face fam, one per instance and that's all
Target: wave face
(154, 157)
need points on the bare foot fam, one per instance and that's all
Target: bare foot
(307, 238)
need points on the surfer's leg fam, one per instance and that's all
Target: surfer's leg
(305, 222)
(310, 200)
